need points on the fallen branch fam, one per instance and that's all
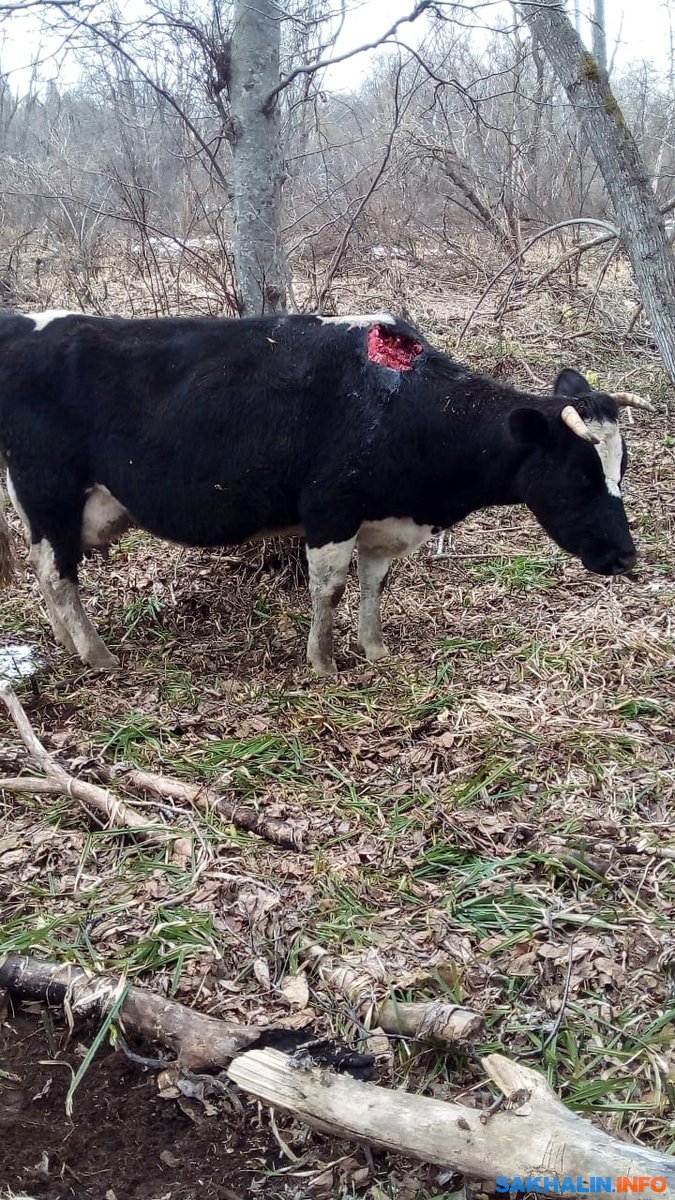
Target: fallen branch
(532, 1134)
(529, 1133)
(273, 829)
(611, 230)
(611, 234)
(432, 1020)
(58, 781)
(199, 1042)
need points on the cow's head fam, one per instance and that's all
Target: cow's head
(571, 479)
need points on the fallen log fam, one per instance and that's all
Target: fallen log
(430, 1020)
(199, 1042)
(532, 1135)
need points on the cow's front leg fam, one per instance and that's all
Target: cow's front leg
(66, 612)
(328, 567)
(373, 568)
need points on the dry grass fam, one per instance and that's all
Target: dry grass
(495, 804)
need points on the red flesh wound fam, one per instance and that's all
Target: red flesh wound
(393, 350)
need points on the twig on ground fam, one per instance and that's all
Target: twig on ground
(59, 781)
(432, 1020)
(273, 829)
(555, 1029)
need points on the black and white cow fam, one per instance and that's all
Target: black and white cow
(210, 432)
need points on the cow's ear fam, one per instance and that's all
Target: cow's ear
(529, 427)
(571, 384)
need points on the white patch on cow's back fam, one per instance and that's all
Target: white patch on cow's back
(103, 518)
(610, 452)
(394, 537)
(354, 320)
(42, 319)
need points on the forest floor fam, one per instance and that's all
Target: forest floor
(490, 810)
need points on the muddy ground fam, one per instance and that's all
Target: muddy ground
(125, 1142)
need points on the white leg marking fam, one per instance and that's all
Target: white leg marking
(328, 566)
(60, 632)
(104, 518)
(354, 320)
(65, 608)
(610, 452)
(42, 319)
(378, 543)
(373, 568)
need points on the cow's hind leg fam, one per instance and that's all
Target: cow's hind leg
(52, 515)
(328, 567)
(60, 632)
(373, 568)
(65, 607)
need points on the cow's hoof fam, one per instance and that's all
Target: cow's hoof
(64, 639)
(103, 660)
(324, 668)
(375, 652)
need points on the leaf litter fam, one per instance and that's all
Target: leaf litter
(492, 811)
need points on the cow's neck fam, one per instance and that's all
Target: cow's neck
(473, 460)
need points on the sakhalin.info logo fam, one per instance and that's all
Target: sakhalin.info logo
(555, 1185)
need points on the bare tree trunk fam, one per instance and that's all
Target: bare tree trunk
(599, 35)
(577, 17)
(643, 232)
(256, 147)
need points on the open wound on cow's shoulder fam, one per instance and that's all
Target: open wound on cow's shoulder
(393, 350)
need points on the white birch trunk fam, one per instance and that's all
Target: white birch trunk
(257, 166)
(642, 227)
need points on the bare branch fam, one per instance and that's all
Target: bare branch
(312, 68)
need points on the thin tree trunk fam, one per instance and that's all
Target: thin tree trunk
(257, 167)
(599, 35)
(643, 232)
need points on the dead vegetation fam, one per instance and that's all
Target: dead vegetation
(485, 820)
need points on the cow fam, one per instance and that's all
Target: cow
(352, 430)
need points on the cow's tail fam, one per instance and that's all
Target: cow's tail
(6, 541)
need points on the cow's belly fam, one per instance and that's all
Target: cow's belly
(105, 518)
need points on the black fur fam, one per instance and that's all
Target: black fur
(210, 431)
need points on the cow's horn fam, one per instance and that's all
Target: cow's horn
(630, 400)
(573, 421)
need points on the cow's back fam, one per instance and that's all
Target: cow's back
(205, 430)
